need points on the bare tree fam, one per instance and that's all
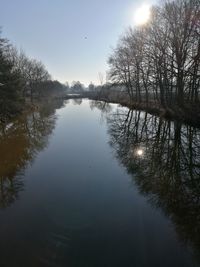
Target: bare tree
(160, 61)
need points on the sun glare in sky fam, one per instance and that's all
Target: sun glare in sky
(142, 14)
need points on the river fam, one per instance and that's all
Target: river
(90, 184)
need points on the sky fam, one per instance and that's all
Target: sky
(73, 38)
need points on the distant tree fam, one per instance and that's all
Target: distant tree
(52, 89)
(101, 78)
(77, 87)
(91, 87)
(66, 86)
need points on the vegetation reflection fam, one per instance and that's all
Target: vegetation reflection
(20, 141)
(164, 157)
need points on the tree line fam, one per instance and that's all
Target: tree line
(21, 79)
(159, 63)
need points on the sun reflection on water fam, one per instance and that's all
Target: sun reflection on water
(140, 152)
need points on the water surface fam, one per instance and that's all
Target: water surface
(86, 183)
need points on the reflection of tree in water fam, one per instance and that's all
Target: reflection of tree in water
(165, 160)
(20, 141)
(77, 101)
(102, 106)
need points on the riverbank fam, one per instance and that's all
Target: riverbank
(187, 114)
(29, 107)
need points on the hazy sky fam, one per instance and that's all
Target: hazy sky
(54, 32)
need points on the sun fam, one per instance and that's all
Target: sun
(142, 14)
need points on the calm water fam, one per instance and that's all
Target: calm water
(90, 184)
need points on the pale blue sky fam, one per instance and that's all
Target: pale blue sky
(54, 32)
